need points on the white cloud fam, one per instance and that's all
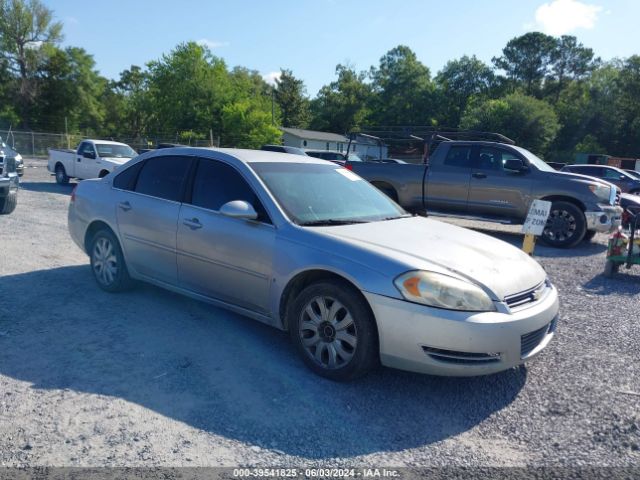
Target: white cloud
(211, 44)
(271, 77)
(560, 17)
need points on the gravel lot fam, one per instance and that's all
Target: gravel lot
(151, 378)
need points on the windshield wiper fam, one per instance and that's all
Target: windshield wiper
(330, 221)
(396, 218)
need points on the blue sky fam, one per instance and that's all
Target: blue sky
(311, 37)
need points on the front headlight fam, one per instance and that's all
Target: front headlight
(442, 291)
(603, 192)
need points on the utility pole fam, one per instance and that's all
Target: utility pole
(273, 111)
(66, 132)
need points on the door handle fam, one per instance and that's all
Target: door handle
(125, 206)
(479, 175)
(193, 223)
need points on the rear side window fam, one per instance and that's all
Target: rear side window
(459, 157)
(163, 177)
(126, 180)
(217, 183)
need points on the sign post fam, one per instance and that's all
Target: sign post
(534, 224)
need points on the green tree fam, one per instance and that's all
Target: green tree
(69, 86)
(403, 91)
(291, 96)
(247, 125)
(528, 59)
(26, 26)
(342, 105)
(458, 81)
(532, 123)
(187, 89)
(571, 61)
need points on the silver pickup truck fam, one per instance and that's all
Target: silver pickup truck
(497, 182)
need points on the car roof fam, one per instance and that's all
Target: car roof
(245, 155)
(106, 142)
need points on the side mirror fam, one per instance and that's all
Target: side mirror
(89, 155)
(514, 165)
(239, 209)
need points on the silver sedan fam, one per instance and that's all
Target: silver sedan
(309, 247)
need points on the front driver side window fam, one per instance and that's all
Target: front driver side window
(217, 183)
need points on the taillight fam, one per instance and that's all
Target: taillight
(348, 166)
(73, 194)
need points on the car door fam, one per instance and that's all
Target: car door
(448, 177)
(497, 192)
(225, 258)
(147, 206)
(87, 161)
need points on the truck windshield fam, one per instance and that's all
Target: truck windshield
(315, 195)
(106, 150)
(537, 161)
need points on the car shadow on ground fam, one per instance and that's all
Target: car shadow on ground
(223, 373)
(48, 187)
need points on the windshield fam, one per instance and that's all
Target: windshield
(634, 174)
(537, 161)
(314, 194)
(354, 158)
(117, 151)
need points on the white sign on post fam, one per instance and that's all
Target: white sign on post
(537, 217)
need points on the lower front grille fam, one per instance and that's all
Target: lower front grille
(529, 341)
(466, 358)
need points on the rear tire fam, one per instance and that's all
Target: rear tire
(103, 174)
(61, 175)
(334, 331)
(8, 204)
(107, 262)
(566, 226)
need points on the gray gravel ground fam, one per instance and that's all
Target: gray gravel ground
(151, 378)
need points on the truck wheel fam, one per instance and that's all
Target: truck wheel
(610, 268)
(107, 262)
(8, 203)
(566, 226)
(61, 175)
(589, 235)
(334, 331)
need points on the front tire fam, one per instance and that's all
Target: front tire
(8, 204)
(566, 226)
(61, 175)
(334, 331)
(107, 262)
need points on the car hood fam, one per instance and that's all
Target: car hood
(583, 178)
(424, 244)
(116, 160)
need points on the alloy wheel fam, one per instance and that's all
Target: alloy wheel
(105, 262)
(561, 225)
(328, 332)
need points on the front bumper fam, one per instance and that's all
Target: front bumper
(443, 342)
(606, 220)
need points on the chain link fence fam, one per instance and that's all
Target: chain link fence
(37, 144)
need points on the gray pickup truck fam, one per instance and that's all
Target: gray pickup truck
(9, 182)
(497, 182)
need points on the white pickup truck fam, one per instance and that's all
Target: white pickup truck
(92, 159)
